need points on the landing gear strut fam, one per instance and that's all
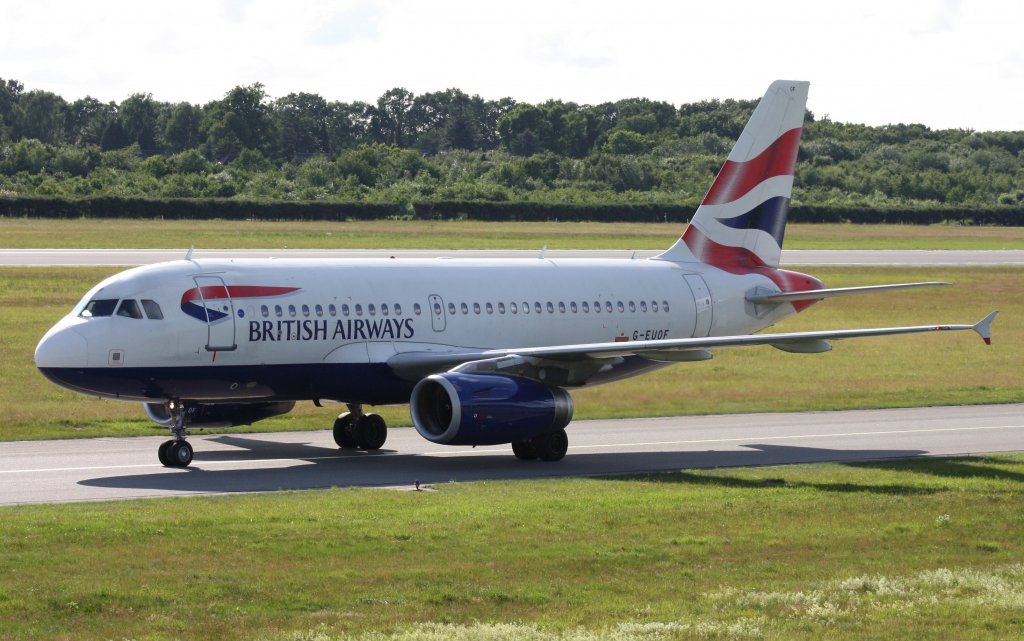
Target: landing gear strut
(177, 452)
(353, 429)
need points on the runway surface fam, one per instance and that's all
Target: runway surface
(122, 468)
(133, 257)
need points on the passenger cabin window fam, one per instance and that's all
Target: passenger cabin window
(654, 305)
(632, 306)
(99, 307)
(664, 305)
(398, 309)
(372, 309)
(586, 307)
(319, 310)
(305, 310)
(465, 308)
(490, 308)
(501, 308)
(384, 309)
(153, 311)
(451, 308)
(608, 306)
(536, 306)
(344, 309)
(561, 307)
(291, 310)
(129, 309)
(513, 308)
(332, 310)
(476, 308)
(643, 306)
(416, 309)
(359, 309)
(264, 310)
(551, 307)
(622, 308)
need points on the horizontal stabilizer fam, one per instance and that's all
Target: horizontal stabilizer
(818, 294)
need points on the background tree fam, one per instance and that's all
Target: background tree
(390, 121)
(240, 121)
(302, 123)
(10, 92)
(138, 115)
(180, 130)
(41, 117)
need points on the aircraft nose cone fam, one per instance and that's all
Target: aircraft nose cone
(61, 347)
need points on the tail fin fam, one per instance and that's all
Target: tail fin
(742, 220)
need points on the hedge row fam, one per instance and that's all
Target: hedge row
(208, 208)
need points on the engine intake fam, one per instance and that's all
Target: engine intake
(227, 415)
(456, 408)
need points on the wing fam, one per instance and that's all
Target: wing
(576, 364)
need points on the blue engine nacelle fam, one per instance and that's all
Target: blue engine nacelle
(454, 408)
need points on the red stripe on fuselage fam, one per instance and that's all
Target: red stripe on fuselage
(736, 179)
(219, 292)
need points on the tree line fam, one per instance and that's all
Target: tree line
(450, 146)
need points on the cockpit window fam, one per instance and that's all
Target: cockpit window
(99, 307)
(153, 311)
(129, 309)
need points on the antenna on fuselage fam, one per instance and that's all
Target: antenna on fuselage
(188, 254)
(543, 250)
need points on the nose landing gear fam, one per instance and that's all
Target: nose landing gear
(177, 452)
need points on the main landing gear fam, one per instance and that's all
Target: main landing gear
(353, 429)
(177, 452)
(550, 446)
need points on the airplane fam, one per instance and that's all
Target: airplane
(484, 351)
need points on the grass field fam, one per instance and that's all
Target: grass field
(387, 234)
(921, 549)
(883, 372)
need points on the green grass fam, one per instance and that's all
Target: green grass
(387, 234)
(920, 370)
(920, 549)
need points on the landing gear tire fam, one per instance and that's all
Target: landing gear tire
(179, 454)
(353, 429)
(371, 432)
(524, 450)
(162, 453)
(551, 446)
(344, 431)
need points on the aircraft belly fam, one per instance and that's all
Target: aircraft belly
(370, 383)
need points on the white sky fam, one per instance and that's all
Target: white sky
(944, 63)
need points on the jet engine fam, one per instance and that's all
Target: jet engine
(226, 415)
(456, 408)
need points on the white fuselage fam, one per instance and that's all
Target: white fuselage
(308, 329)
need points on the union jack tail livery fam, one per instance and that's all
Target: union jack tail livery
(742, 219)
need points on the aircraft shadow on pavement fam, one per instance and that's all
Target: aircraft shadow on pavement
(319, 467)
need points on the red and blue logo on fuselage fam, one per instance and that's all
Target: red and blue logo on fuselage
(196, 302)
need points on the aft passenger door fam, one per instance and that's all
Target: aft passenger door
(215, 299)
(702, 303)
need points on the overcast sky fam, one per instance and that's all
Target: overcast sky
(943, 63)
